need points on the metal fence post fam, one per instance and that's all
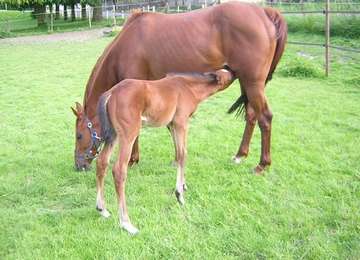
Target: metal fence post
(327, 38)
(89, 15)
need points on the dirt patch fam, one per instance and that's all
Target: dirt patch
(78, 36)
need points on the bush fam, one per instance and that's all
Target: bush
(354, 81)
(344, 26)
(302, 68)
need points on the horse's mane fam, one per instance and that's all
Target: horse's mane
(207, 77)
(134, 15)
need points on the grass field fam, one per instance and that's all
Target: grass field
(306, 205)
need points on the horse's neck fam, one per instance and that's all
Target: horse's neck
(99, 82)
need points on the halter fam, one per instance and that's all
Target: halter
(96, 142)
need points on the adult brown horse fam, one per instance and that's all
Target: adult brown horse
(247, 38)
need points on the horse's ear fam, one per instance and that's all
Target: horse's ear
(79, 109)
(74, 111)
(212, 76)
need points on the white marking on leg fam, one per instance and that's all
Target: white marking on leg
(105, 213)
(237, 159)
(126, 224)
(179, 187)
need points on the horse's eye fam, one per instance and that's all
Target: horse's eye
(78, 136)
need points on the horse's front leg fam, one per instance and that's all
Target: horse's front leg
(250, 118)
(101, 167)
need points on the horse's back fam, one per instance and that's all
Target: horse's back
(202, 40)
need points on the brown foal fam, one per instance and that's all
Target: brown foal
(167, 102)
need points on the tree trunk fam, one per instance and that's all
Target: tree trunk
(39, 12)
(65, 12)
(57, 11)
(97, 13)
(83, 11)
(73, 17)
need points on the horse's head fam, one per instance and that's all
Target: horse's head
(87, 142)
(224, 78)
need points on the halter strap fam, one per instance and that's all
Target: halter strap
(96, 142)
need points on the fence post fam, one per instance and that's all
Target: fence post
(114, 15)
(327, 38)
(89, 15)
(51, 21)
(153, 8)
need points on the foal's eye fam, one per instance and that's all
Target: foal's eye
(78, 136)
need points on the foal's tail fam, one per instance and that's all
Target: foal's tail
(281, 37)
(108, 133)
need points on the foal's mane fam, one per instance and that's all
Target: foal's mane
(207, 77)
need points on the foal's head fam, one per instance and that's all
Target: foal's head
(222, 77)
(86, 141)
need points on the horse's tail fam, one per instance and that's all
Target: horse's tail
(239, 105)
(281, 36)
(108, 133)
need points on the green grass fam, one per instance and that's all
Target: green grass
(16, 23)
(306, 206)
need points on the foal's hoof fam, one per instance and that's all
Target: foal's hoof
(130, 228)
(180, 197)
(259, 170)
(133, 161)
(237, 159)
(103, 212)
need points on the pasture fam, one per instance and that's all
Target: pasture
(306, 205)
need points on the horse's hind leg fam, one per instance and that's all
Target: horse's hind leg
(255, 94)
(179, 131)
(120, 174)
(250, 118)
(101, 166)
(135, 153)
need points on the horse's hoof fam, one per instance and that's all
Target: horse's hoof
(133, 162)
(130, 228)
(259, 170)
(103, 212)
(180, 197)
(237, 159)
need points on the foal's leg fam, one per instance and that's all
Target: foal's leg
(120, 174)
(180, 136)
(171, 130)
(135, 153)
(258, 101)
(248, 131)
(101, 166)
